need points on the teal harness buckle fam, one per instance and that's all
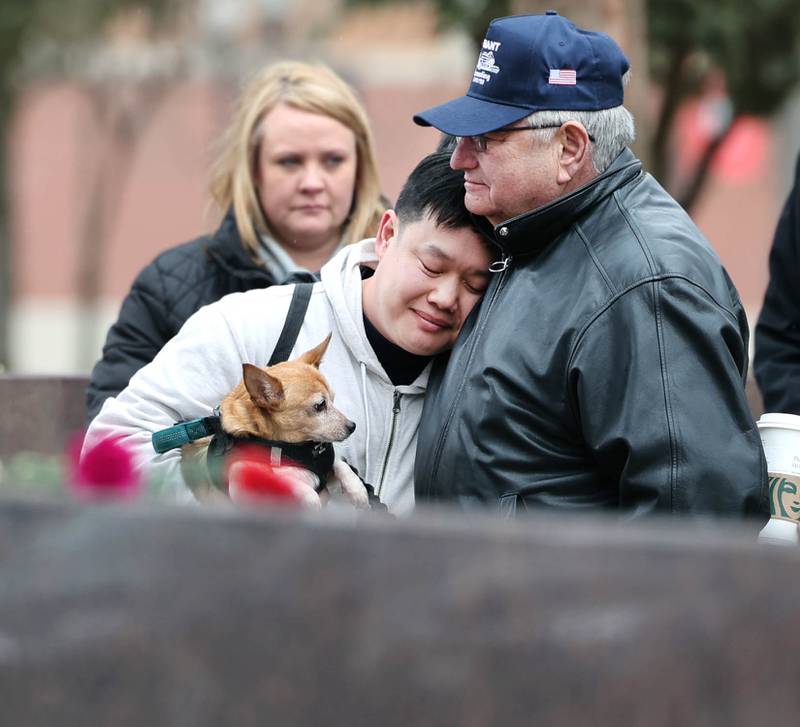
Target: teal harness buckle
(184, 433)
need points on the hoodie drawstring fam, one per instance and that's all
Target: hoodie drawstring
(366, 416)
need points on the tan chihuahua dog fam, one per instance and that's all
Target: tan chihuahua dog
(287, 408)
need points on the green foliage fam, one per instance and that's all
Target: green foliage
(471, 16)
(756, 44)
(67, 21)
(15, 18)
(32, 474)
(27, 22)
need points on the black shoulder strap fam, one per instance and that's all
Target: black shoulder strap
(293, 322)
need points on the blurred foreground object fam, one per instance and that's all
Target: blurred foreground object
(165, 616)
(253, 481)
(105, 470)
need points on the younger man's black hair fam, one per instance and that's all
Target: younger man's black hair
(435, 190)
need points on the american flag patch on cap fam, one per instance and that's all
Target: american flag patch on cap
(562, 77)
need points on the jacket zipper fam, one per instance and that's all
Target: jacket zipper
(395, 412)
(502, 273)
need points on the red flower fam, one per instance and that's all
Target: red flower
(103, 470)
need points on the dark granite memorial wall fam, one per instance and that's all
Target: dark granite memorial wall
(155, 615)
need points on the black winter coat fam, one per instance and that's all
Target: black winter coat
(604, 368)
(777, 356)
(169, 290)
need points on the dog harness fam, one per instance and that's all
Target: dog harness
(316, 457)
(182, 433)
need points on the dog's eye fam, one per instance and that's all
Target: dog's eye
(320, 405)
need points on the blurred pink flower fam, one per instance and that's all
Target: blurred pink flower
(103, 470)
(252, 479)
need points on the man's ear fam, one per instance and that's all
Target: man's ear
(574, 151)
(265, 390)
(388, 230)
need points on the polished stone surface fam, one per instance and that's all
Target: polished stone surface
(150, 615)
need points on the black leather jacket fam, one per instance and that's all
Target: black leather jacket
(777, 357)
(165, 293)
(604, 368)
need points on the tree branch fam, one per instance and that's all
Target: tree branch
(692, 193)
(673, 96)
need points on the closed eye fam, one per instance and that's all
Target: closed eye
(474, 289)
(427, 270)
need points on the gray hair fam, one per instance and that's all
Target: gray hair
(612, 130)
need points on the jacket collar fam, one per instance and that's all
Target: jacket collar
(227, 250)
(531, 231)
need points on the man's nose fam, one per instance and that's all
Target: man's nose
(444, 294)
(463, 156)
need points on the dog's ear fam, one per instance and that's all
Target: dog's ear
(314, 356)
(265, 390)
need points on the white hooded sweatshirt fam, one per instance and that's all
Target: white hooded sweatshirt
(196, 369)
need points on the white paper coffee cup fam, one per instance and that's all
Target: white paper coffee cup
(780, 436)
(780, 532)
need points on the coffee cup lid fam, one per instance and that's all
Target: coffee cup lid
(778, 419)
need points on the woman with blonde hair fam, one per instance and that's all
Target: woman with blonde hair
(296, 179)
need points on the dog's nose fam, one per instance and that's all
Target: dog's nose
(350, 426)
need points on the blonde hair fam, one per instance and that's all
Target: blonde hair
(313, 88)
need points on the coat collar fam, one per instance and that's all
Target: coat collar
(227, 250)
(531, 231)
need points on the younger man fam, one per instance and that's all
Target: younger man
(430, 268)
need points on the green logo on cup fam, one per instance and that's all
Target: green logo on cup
(784, 497)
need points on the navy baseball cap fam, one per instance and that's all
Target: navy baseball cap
(533, 63)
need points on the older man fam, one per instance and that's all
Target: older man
(605, 367)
